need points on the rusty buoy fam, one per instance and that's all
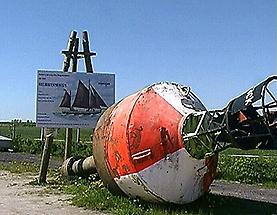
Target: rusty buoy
(140, 150)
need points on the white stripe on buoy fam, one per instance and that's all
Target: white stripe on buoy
(174, 93)
(177, 178)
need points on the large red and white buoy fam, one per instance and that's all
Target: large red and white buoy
(140, 150)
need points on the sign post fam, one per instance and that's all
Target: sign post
(71, 99)
(72, 52)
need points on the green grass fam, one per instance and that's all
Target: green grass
(257, 170)
(259, 152)
(27, 145)
(32, 132)
(19, 167)
(85, 135)
(25, 167)
(27, 140)
(92, 195)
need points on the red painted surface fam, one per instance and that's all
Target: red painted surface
(143, 130)
(117, 150)
(209, 176)
(153, 126)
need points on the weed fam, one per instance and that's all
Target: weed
(250, 170)
(92, 195)
(18, 167)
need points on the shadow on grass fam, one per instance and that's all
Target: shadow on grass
(216, 204)
(97, 198)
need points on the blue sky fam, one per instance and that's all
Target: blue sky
(218, 47)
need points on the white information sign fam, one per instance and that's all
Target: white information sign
(72, 100)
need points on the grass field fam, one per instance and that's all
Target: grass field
(92, 194)
(259, 152)
(33, 132)
(27, 139)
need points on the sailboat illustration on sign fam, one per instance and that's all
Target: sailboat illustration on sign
(86, 101)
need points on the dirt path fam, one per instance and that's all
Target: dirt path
(17, 197)
(244, 191)
(25, 157)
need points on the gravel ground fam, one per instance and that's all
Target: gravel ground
(24, 157)
(18, 197)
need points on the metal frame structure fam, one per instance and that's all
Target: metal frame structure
(249, 121)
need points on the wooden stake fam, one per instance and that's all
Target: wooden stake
(71, 53)
(46, 155)
(87, 53)
(42, 134)
(68, 52)
(78, 134)
(75, 55)
(68, 143)
(42, 139)
(14, 132)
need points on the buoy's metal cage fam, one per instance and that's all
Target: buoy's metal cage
(247, 122)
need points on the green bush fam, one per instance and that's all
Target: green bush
(82, 149)
(248, 169)
(27, 145)
(21, 144)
